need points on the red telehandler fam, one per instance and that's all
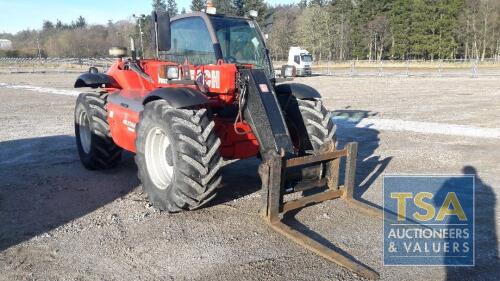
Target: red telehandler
(211, 94)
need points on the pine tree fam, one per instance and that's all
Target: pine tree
(198, 5)
(172, 8)
(239, 7)
(431, 30)
(302, 4)
(59, 25)
(448, 21)
(319, 3)
(369, 27)
(80, 22)
(47, 25)
(224, 7)
(339, 27)
(159, 5)
(261, 7)
(400, 17)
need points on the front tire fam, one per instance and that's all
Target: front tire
(177, 156)
(310, 124)
(93, 140)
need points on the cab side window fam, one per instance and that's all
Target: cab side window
(296, 59)
(191, 40)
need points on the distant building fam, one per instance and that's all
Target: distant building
(5, 44)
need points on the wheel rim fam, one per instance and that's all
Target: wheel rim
(160, 171)
(84, 131)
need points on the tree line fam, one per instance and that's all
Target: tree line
(329, 29)
(389, 29)
(75, 39)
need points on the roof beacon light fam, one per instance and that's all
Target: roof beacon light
(210, 8)
(253, 14)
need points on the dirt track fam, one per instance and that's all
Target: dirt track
(61, 222)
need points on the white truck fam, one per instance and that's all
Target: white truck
(301, 59)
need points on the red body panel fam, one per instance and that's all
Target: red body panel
(122, 125)
(234, 144)
(128, 79)
(219, 81)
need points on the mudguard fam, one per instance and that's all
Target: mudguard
(178, 97)
(299, 91)
(95, 80)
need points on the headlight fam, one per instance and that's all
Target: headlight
(168, 72)
(172, 72)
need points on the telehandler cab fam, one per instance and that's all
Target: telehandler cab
(210, 94)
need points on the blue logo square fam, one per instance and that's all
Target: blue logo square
(429, 220)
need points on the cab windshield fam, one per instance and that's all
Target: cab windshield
(307, 58)
(240, 41)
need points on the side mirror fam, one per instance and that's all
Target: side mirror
(161, 31)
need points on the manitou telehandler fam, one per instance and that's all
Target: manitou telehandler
(210, 94)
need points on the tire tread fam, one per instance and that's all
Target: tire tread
(197, 170)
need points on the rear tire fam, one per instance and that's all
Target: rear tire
(95, 145)
(311, 123)
(177, 156)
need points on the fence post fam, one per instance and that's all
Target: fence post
(440, 70)
(474, 68)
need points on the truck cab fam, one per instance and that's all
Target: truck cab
(301, 59)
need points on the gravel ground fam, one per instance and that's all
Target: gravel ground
(59, 221)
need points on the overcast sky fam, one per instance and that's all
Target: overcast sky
(17, 15)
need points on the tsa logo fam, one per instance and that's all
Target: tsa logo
(429, 220)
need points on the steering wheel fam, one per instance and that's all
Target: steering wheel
(231, 59)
